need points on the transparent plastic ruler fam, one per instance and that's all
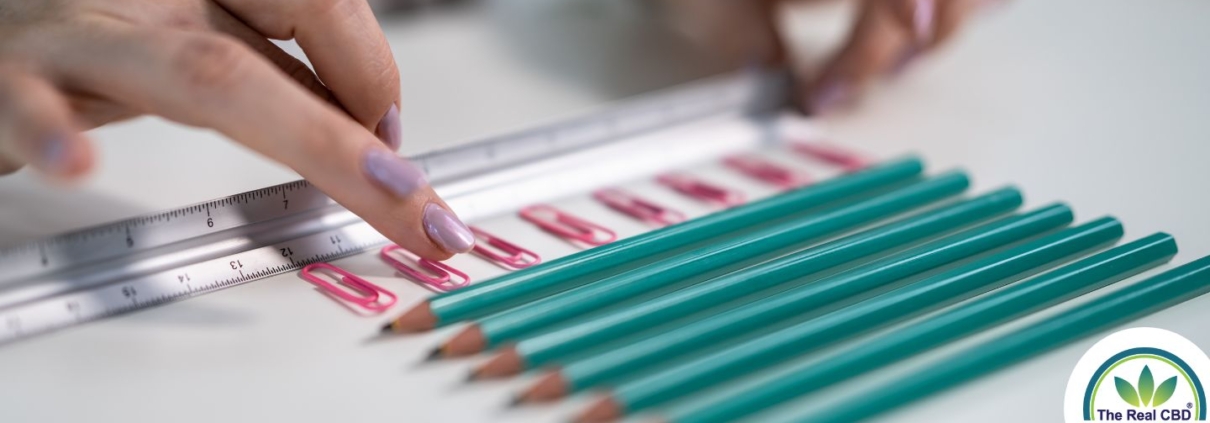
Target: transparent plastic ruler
(151, 260)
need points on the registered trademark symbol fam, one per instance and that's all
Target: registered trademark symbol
(1188, 405)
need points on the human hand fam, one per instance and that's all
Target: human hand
(887, 36)
(71, 65)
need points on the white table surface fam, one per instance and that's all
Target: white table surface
(1100, 104)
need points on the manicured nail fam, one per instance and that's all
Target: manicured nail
(446, 230)
(923, 20)
(390, 130)
(830, 95)
(393, 172)
(53, 154)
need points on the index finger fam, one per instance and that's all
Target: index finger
(217, 82)
(347, 48)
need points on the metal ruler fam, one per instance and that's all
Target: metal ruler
(151, 260)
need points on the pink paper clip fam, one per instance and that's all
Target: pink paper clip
(509, 255)
(848, 160)
(432, 274)
(638, 208)
(767, 171)
(370, 296)
(702, 190)
(567, 226)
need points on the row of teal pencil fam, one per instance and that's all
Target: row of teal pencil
(723, 317)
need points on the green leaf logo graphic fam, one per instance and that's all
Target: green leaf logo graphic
(1164, 392)
(1147, 393)
(1126, 391)
(1146, 386)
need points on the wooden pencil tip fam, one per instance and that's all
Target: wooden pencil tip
(469, 341)
(434, 354)
(550, 387)
(507, 363)
(605, 410)
(419, 318)
(388, 328)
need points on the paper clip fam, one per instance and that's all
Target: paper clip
(767, 171)
(846, 159)
(513, 257)
(567, 226)
(370, 297)
(701, 190)
(438, 276)
(638, 208)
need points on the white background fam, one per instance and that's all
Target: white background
(1099, 103)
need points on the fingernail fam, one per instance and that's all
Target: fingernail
(393, 172)
(446, 230)
(923, 19)
(830, 95)
(389, 129)
(54, 154)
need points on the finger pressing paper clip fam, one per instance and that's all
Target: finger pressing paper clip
(638, 208)
(435, 275)
(846, 159)
(509, 255)
(357, 291)
(767, 171)
(702, 190)
(567, 226)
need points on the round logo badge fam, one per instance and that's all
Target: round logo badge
(1139, 375)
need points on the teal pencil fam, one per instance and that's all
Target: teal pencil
(711, 331)
(1132, 302)
(1016, 300)
(929, 294)
(568, 272)
(559, 344)
(510, 324)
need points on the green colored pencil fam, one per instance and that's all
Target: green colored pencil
(1011, 302)
(713, 330)
(1129, 303)
(937, 291)
(559, 344)
(510, 324)
(567, 272)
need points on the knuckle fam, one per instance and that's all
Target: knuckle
(209, 63)
(388, 74)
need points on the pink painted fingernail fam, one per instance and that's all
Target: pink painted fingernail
(392, 172)
(446, 230)
(923, 19)
(389, 129)
(830, 95)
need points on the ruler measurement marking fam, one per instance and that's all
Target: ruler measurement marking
(79, 317)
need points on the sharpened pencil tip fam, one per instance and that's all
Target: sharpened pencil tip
(516, 401)
(434, 354)
(389, 328)
(604, 410)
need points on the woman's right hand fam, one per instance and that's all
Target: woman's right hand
(887, 36)
(70, 65)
